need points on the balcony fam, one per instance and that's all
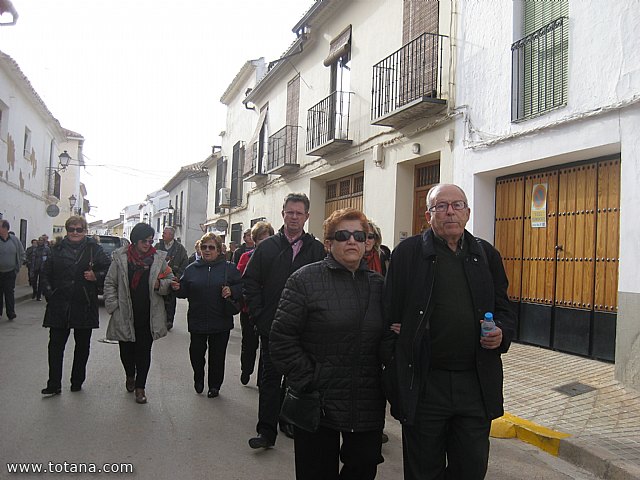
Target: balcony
(253, 171)
(328, 125)
(407, 85)
(281, 154)
(539, 71)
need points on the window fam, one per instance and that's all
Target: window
(237, 162)
(236, 233)
(23, 232)
(340, 83)
(540, 59)
(26, 151)
(221, 175)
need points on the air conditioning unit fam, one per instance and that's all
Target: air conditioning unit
(224, 197)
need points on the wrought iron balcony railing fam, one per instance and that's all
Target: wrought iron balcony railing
(328, 124)
(539, 70)
(408, 82)
(253, 166)
(282, 150)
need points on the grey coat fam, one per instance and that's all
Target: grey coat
(117, 298)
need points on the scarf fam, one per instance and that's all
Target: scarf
(139, 263)
(373, 260)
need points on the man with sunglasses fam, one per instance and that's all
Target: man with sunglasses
(272, 262)
(69, 283)
(444, 382)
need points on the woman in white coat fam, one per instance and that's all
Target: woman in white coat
(133, 289)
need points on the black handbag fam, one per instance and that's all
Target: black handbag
(303, 410)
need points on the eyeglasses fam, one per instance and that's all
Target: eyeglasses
(371, 236)
(344, 235)
(442, 207)
(207, 247)
(295, 214)
(76, 229)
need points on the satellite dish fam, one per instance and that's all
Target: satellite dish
(221, 225)
(53, 210)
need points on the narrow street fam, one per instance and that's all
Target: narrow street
(178, 434)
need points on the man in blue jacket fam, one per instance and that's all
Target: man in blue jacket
(444, 381)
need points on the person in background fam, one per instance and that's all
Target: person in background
(196, 255)
(69, 283)
(272, 262)
(448, 378)
(38, 260)
(376, 258)
(178, 260)
(136, 281)
(231, 250)
(250, 339)
(28, 257)
(246, 246)
(209, 284)
(11, 259)
(326, 337)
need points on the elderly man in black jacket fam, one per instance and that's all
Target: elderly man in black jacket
(272, 262)
(444, 382)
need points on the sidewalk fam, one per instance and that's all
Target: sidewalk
(580, 397)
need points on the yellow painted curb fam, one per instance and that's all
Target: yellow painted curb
(510, 426)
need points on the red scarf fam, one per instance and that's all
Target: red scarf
(373, 260)
(140, 262)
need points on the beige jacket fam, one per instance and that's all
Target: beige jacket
(117, 298)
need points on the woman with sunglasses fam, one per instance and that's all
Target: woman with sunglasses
(137, 279)
(69, 283)
(326, 337)
(210, 284)
(375, 256)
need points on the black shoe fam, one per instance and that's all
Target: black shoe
(244, 378)
(287, 429)
(11, 316)
(75, 388)
(199, 386)
(169, 326)
(39, 299)
(260, 442)
(385, 437)
(213, 392)
(130, 384)
(51, 391)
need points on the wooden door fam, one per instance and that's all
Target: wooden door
(426, 175)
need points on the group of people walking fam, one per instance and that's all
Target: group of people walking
(342, 322)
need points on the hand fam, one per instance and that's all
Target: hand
(226, 292)
(492, 340)
(175, 285)
(395, 328)
(90, 276)
(156, 285)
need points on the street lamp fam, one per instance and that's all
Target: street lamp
(64, 158)
(170, 209)
(146, 217)
(72, 202)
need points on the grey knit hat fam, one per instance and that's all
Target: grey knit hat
(140, 232)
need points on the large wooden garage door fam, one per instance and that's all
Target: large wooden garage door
(564, 275)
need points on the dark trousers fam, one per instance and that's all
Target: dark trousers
(57, 341)
(7, 291)
(450, 437)
(270, 394)
(249, 346)
(36, 284)
(317, 454)
(170, 307)
(217, 354)
(136, 356)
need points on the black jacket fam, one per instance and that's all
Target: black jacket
(407, 297)
(201, 284)
(266, 273)
(326, 336)
(72, 301)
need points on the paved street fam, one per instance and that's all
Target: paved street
(178, 434)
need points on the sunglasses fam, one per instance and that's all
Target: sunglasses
(371, 236)
(344, 235)
(207, 247)
(76, 229)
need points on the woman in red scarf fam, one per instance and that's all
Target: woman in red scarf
(375, 257)
(133, 289)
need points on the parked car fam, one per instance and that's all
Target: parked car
(109, 244)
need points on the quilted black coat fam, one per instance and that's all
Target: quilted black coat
(326, 336)
(72, 301)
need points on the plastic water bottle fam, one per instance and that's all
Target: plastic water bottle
(487, 325)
